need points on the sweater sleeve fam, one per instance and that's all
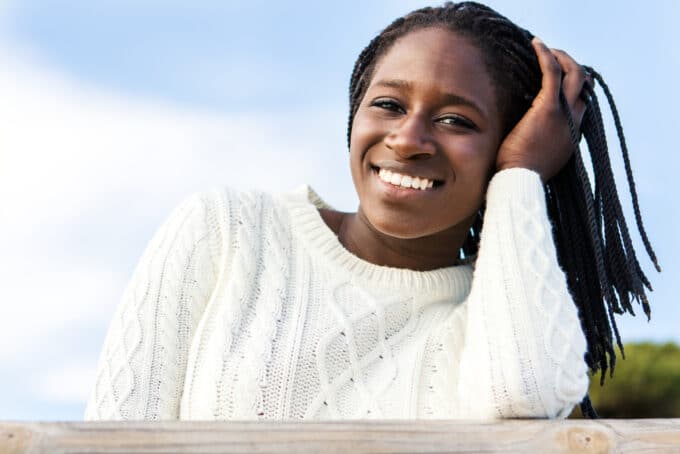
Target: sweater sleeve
(524, 345)
(140, 374)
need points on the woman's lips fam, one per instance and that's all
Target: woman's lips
(411, 170)
(402, 192)
(406, 179)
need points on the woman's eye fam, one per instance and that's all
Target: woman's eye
(387, 104)
(455, 120)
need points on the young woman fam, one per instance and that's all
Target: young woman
(252, 306)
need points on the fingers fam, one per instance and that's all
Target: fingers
(572, 83)
(560, 71)
(574, 75)
(552, 72)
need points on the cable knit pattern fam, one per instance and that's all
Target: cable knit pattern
(141, 371)
(246, 306)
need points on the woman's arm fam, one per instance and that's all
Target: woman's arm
(524, 351)
(140, 375)
(524, 346)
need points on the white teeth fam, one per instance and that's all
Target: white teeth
(405, 181)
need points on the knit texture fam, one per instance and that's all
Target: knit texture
(246, 306)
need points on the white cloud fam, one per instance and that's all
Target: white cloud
(70, 383)
(76, 141)
(40, 302)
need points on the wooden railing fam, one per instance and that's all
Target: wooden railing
(533, 436)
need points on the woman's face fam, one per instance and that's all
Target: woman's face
(430, 112)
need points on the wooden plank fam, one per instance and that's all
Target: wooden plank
(536, 436)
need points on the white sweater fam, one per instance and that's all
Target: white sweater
(246, 306)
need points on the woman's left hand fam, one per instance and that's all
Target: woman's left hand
(541, 141)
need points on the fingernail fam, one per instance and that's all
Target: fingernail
(538, 40)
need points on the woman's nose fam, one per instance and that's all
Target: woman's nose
(411, 138)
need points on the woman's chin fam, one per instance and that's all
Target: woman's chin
(404, 229)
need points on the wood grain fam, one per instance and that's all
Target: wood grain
(535, 436)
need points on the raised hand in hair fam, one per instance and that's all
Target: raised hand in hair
(541, 141)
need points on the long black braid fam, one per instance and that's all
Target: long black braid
(592, 240)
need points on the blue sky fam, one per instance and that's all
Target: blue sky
(113, 111)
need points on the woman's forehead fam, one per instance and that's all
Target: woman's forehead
(432, 49)
(438, 59)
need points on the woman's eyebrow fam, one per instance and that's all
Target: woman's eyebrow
(449, 98)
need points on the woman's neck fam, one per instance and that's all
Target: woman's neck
(359, 237)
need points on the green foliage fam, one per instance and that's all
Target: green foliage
(645, 385)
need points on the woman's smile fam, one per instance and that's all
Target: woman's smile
(394, 186)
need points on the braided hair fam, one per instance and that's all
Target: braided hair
(591, 236)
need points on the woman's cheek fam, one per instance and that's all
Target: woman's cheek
(471, 157)
(366, 131)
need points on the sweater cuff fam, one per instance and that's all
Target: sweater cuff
(514, 184)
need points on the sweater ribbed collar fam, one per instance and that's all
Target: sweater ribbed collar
(304, 203)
